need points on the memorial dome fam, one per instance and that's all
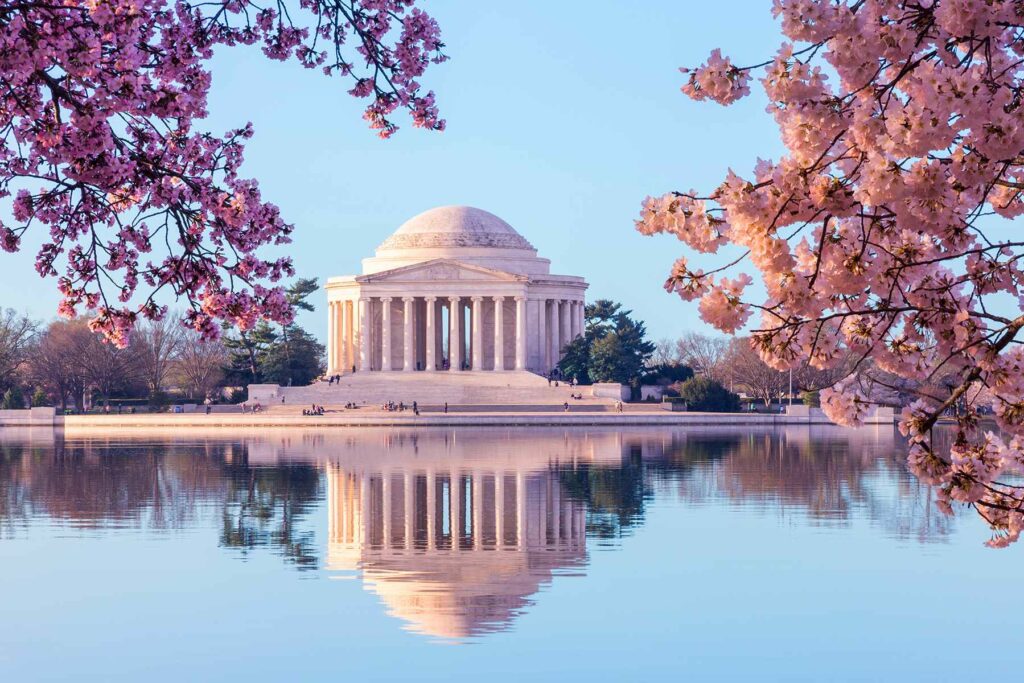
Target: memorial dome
(455, 226)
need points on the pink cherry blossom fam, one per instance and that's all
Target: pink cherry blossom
(882, 236)
(100, 148)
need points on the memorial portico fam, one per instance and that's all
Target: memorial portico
(455, 288)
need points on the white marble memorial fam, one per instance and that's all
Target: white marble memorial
(454, 288)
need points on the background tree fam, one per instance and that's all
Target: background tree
(884, 231)
(613, 347)
(246, 351)
(199, 365)
(298, 361)
(17, 334)
(703, 353)
(666, 352)
(297, 358)
(157, 344)
(109, 369)
(97, 110)
(12, 399)
(54, 361)
(752, 375)
(706, 395)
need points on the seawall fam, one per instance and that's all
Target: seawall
(38, 417)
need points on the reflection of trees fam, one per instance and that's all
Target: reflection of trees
(262, 505)
(616, 495)
(161, 486)
(831, 477)
(827, 478)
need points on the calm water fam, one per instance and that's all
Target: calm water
(545, 554)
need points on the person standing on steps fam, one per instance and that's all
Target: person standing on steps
(446, 407)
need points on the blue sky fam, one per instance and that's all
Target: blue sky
(562, 116)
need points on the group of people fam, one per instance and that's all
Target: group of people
(314, 410)
(333, 379)
(400, 407)
(556, 375)
(254, 408)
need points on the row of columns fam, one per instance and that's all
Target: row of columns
(387, 510)
(350, 344)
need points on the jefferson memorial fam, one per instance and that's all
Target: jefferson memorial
(454, 288)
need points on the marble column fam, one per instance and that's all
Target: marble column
(454, 334)
(385, 338)
(565, 328)
(332, 341)
(408, 342)
(520, 333)
(339, 337)
(542, 337)
(553, 334)
(477, 327)
(430, 334)
(349, 354)
(343, 336)
(364, 334)
(581, 318)
(499, 333)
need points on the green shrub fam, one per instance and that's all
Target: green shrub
(811, 398)
(39, 398)
(12, 399)
(706, 395)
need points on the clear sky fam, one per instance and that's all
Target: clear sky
(562, 116)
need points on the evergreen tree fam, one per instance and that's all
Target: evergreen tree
(12, 399)
(284, 354)
(613, 347)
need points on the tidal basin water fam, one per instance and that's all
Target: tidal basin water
(492, 554)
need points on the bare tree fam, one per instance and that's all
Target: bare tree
(199, 366)
(157, 344)
(751, 375)
(666, 352)
(54, 362)
(17, 333)
(109, 369)
(704, 354)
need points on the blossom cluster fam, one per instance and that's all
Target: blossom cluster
(100, 149)
(883, 235)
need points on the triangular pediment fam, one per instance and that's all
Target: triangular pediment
(441, 270)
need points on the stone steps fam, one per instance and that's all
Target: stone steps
(437, 388)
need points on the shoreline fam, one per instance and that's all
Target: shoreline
(383, 419)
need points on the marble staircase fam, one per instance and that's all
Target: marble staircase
(435, 388)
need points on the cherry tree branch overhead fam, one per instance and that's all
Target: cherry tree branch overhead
(100, 149)
(886, 230)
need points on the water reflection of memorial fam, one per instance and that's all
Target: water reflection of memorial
(453, 553)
